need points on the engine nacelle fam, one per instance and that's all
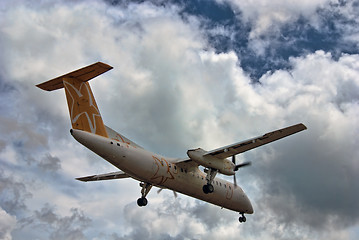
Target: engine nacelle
(224, 166)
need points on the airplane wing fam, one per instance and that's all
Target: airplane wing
(106, 176)
(249, 144)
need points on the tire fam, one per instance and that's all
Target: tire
(142, 202)
(139, 202)
(210, 188)
(205, 189)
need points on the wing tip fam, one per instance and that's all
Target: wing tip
(85, 179)
(303, 127)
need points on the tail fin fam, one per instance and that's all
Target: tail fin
(83, 109)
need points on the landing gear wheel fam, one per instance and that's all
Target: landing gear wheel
(242, 218)
(142, 202)
(208, 188)
(145, 188)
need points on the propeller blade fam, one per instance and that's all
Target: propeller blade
(236, 167)
(235, 180)
(174, 192)
(242, 165)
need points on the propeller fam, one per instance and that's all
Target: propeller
(174, 193)
(236, 167)
(242, 165)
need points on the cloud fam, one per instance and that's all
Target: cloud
(329, 167)
(269, 16)
(7, 225)
(13, 193)
(50, 163)
(265, 34)
(182, 219)
(170, 91)
(47, 223)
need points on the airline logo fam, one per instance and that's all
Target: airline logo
(163, 172)
(83, 109)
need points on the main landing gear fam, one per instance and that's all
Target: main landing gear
(211, 173)
(242, 218)
(142, 201)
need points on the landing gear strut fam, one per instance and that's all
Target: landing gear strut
(142, 201)
(211, 173)
(242, 218)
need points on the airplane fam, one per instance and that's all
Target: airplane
(182, 175)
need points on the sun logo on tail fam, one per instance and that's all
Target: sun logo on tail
(83, 109)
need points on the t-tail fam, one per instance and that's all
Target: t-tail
(84, 113)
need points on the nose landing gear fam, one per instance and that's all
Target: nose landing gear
(142, 201)
(242, 218)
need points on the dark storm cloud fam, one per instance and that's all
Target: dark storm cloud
(54, 226)
(22, 134)
(50, 163)
(27, 143)
(5, 87)
(311, 188)
(13, 193)
(311, 182)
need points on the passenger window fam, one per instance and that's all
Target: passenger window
(181, 169)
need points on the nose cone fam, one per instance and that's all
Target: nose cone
(248, 206)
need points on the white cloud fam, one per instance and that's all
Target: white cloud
(169, 94)
(269, 16)
(277, 23)
(7, 225)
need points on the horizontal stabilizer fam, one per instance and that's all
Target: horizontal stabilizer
(84, 74)
(106, 176)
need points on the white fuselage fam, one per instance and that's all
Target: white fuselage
(160, 171)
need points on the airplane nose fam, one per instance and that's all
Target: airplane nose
(248, 204)
(250, 208)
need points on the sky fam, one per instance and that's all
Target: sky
(186, 74)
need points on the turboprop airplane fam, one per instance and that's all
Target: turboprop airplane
(178, 174)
